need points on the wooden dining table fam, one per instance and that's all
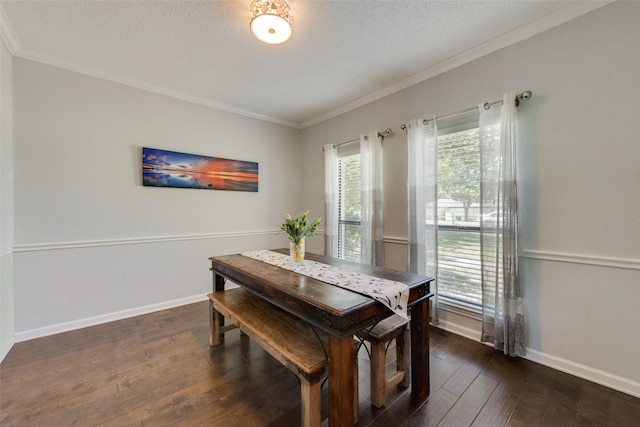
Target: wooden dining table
(337, 311)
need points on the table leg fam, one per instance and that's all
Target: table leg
(216, 320)
(218, 282)
(420, 350)
(341, 384)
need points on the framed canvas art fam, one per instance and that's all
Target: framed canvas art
(162, 168)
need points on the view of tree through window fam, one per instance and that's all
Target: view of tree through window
(349, 231)
(459, 269)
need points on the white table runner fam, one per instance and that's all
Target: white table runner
(394, 295)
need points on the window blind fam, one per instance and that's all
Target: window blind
(459, 267)
(349, 200)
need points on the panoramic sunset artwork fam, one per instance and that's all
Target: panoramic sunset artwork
(161, 168)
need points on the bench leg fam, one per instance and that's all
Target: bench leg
(311, 403)
(403, 356)
(214, 325)
(378, 374)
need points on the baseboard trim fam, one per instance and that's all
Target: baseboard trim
(588, 373)
(4, 353)
(104, 318)
(463, 331)
(606, 379)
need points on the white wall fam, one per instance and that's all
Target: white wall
(579, 167)
(91, 243)
(6, 203)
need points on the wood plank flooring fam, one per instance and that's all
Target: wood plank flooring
(158, 370)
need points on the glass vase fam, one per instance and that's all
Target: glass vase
(297, 250)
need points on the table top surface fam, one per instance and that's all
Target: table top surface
(336, 310)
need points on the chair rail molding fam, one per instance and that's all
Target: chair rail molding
(573, 258)
(601, 261)
(140, 240)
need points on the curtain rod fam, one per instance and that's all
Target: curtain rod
(521, 96)
(387, 131)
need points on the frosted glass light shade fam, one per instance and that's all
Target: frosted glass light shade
(271, 21)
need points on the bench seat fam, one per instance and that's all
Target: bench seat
(288, 339)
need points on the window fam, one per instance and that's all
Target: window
(459, 267)
(349, 229)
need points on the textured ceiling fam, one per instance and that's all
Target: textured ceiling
(342, 54)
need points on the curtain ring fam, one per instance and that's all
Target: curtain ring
(487, 106)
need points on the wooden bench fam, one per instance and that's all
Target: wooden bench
(394, 327)
(287, 338)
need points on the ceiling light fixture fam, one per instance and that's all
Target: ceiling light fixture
(271, 21)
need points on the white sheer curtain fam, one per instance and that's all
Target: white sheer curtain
(502, 298)
(371, 216)
(331, 200)
(422, 199)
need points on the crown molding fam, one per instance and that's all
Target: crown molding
(7, 33)
(572, 11)
(140, 84)
(10, 38)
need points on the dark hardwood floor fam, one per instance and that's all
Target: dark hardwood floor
(158, 369)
